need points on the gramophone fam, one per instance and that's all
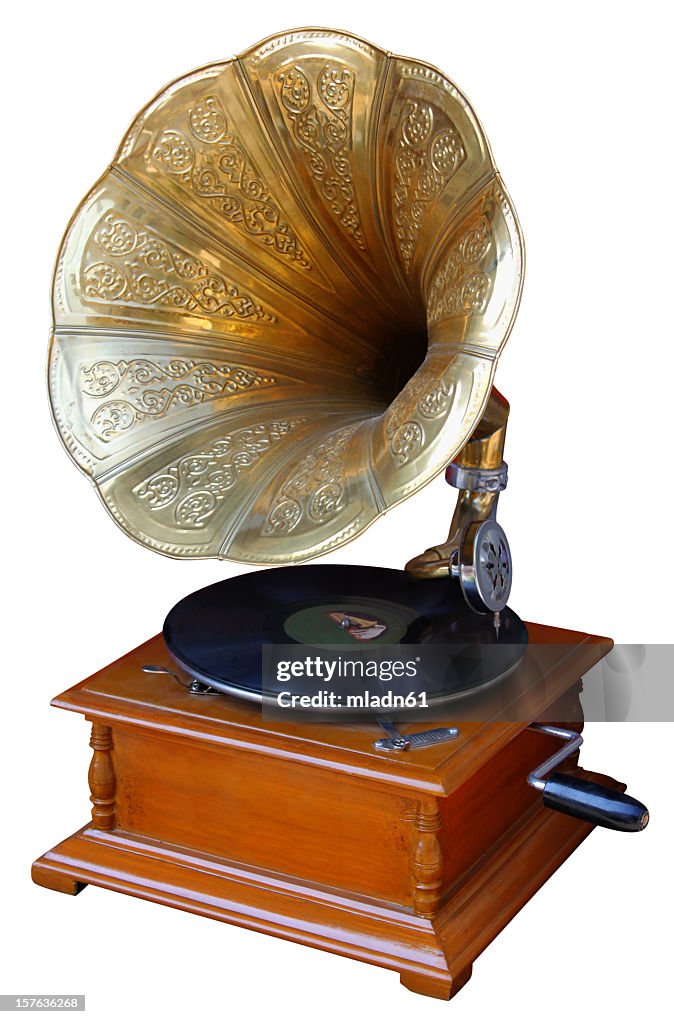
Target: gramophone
(277, 315)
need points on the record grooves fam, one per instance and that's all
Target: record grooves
(363, 614)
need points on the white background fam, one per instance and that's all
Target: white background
(578, 110)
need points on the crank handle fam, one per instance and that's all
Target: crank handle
(582, 798)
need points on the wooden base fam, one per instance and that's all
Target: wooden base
(433, 956)
(413, 862)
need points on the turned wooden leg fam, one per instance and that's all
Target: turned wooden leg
(102, 786)
(439, 986)
(426, 860)
(51, 879)
(102, 782)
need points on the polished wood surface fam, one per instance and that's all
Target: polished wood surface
(123, 692)
(412, 861)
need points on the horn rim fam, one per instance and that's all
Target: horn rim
(487, 363)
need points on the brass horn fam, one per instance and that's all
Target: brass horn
(279, 311)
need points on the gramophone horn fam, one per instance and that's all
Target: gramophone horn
(278, 312)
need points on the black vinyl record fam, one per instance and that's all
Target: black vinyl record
(219, 634)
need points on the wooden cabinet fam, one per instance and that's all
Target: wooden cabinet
(413, 861)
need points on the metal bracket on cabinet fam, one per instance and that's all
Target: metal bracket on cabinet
(194, 686)
(396, 742)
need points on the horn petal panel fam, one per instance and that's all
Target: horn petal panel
(279, 311)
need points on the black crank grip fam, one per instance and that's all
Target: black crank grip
(594, 803)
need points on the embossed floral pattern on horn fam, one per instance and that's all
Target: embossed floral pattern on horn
(311, 233)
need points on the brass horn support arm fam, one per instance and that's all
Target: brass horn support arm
(483, 451)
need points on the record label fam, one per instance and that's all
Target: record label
(349, 621)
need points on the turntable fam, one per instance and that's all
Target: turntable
(277, 315)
